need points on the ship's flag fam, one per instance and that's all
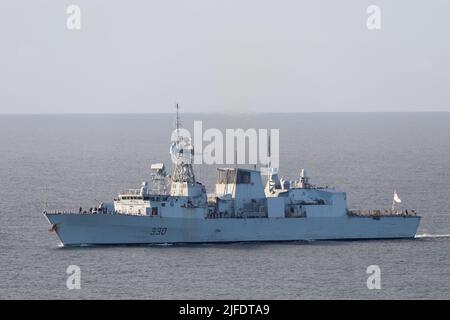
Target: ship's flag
(396, 198)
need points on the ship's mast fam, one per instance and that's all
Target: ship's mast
(177, 121)
(273, 181)
(269, 160)
(182, 153)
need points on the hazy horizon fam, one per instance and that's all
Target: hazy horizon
(214, 112)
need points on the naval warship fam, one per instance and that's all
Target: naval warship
(177, 209)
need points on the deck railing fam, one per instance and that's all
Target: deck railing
(380, 213)
(78, 211)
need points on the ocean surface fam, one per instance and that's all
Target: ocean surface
(67, 161)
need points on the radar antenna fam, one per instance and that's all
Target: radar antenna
(177, 121)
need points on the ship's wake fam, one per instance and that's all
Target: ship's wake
(429, 235)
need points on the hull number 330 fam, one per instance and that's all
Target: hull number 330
(158, 231)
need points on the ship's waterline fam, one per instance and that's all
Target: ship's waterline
(75, 229)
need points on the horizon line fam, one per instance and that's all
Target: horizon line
(210, 112)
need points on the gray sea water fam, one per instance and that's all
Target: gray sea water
(71, 160)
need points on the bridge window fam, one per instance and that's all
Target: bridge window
(243, 177)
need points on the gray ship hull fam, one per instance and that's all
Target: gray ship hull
(95, 229)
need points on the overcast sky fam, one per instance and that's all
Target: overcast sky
(224, 55)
